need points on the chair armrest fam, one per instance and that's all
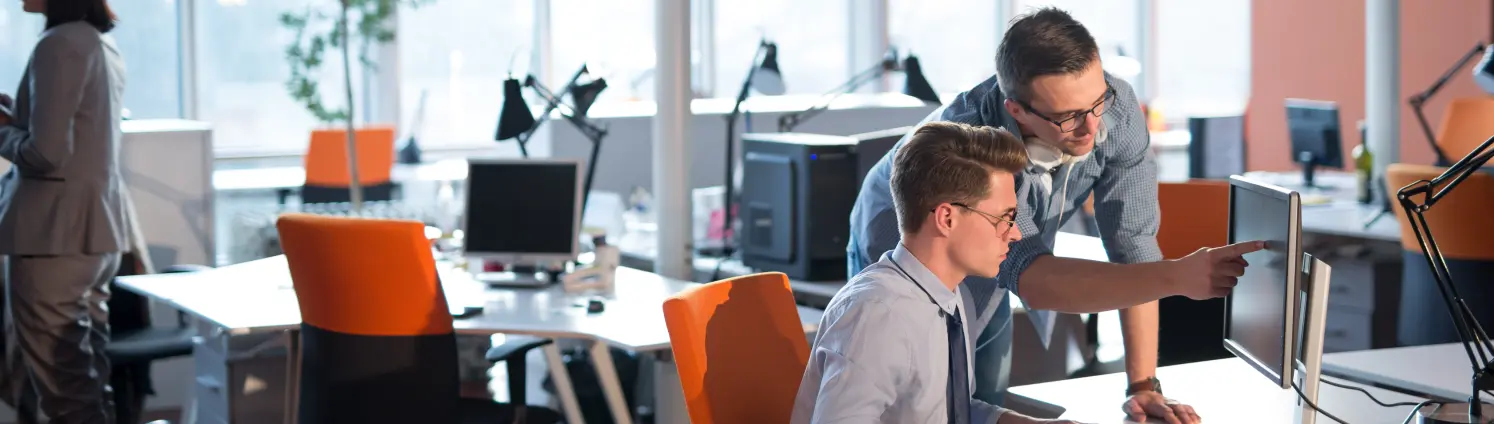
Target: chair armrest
(512, 354)
(181, 268)
(515, 348)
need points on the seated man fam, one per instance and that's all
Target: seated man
(892, 346)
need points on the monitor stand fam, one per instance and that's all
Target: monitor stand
(1309, 163)
(516, 276)
(1313, 314)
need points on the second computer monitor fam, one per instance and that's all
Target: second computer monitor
(523, 211)
(1316, 136)
(1260, 323)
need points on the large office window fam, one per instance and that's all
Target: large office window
(146, 35)
(1203, 64)
(457, 53)
(812, 36)
(242, 74)
(18, 33)
(1115, 24)
(614, 38)
(148, 39)
(955, 40)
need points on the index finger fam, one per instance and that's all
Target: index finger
(1241, 248)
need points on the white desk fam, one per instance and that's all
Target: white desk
(1343, 216)
(1222, 391)
(290, 177)
(246, 308)
(1440, 370)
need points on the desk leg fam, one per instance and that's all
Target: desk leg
(293, 376)
(617, 403)
(563, 387)
(669, 397)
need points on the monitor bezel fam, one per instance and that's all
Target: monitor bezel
(1283, 376)
(525, 258)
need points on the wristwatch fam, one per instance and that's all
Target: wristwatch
(1150, 383)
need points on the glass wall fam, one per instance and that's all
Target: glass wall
(242, 74)
(456, 54)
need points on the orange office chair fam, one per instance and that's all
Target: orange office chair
(739, 347)
(1195, 214)
(1466, 124)
(1460, 224)
(327, 178)
(377, 344)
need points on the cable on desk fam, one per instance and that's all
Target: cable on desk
(1418, 407)
(1314, 406)
(1366, 393)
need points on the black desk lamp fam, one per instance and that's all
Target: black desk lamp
(516, 121)
(1483, 74)
(1475, 341)
(915, 85)
(515, 115)
(767, 79)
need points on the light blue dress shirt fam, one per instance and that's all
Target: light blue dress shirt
(882, 351)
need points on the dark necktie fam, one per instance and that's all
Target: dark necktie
(959, 376)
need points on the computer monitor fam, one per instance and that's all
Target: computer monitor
(523, 211)
(870, 147)
(1217, 146)
(1315, 134)
(1261, 312)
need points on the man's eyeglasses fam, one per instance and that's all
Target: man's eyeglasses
(1010, 219)
(1073, 121)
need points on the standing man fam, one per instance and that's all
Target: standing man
(1084, 133)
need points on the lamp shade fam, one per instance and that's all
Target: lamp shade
(915, 84)
(515, 118)
(586, 94)
(768, 79)
(1483, 74)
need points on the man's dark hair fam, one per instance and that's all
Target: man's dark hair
(948, 162)
(93, 12)
(1045, 42)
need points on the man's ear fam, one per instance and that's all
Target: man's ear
(1013, 108)
(944, 221)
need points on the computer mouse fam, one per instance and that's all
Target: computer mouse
(595, 305)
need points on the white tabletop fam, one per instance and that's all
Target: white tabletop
(257, 296)
(1222, 391)
(282, 177)
(1440, 370)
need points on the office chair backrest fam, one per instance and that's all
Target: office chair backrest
(739, 347)
(1195, 214)
(377, 341)
(1459, 222)
(327, 157)
(1467, 123)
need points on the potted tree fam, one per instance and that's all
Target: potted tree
(373, 23)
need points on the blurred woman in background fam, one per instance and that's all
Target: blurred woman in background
(63, 215)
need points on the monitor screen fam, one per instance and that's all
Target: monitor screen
(525, 208)
(1258, 327)
(1314, 129)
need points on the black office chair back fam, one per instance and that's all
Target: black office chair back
(381, 192)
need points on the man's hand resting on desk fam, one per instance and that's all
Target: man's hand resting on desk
(1148, 403)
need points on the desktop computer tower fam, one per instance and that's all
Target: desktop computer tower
(795, 206)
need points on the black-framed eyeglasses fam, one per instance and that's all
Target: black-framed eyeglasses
(1010, 219)
(1073, 121)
